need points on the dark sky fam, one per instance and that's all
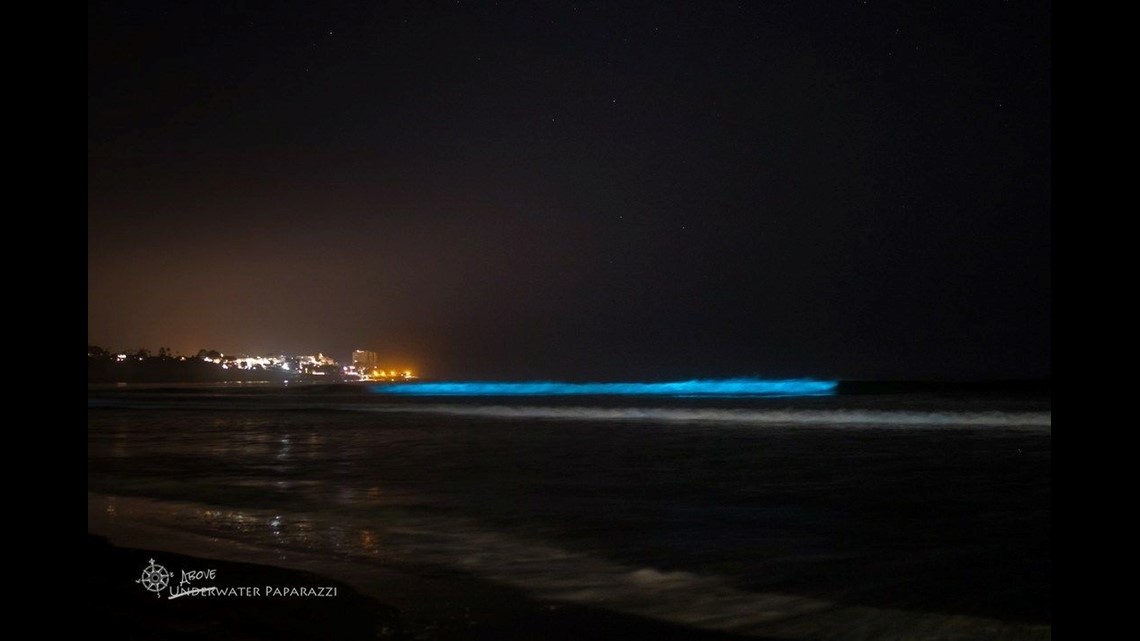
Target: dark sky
(578, 191)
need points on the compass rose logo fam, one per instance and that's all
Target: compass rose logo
(154, 578)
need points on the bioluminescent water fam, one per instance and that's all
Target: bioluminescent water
(723, 387)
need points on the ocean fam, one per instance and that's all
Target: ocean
(869, 516)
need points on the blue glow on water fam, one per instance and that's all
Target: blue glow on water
(725, 387)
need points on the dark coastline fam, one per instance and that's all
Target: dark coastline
(172, 371)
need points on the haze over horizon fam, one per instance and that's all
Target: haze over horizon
(643, 191)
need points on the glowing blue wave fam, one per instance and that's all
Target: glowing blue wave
(726, 387)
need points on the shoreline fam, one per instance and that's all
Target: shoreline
(427, 601)
(124, 608)
(437, 606)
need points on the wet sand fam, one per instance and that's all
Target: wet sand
(124, 609)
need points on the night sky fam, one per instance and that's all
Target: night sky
(606, 191)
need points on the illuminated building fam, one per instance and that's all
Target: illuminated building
(365, 360)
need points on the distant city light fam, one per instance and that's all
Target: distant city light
(724, 387)
(301, 365)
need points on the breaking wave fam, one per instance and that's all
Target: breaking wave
(711, 387)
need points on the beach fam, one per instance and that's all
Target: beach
(785, 518)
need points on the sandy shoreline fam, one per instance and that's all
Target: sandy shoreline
(124, 608)
(394, 600)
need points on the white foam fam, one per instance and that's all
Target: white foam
(775, 417)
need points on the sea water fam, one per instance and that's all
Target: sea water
(813, 517)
